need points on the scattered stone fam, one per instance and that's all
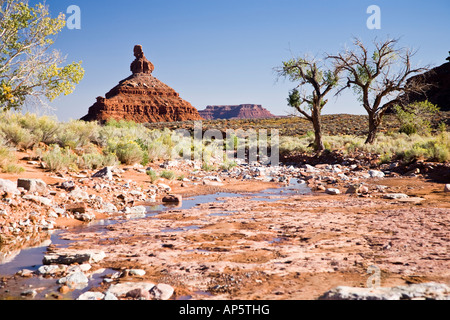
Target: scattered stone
(79, 207)
(32, 185)
(429, 291)
(164, 187)
(105, 173)
(68, 185)
(376, 174)
(123, 288)
(37, 199)
(138, 294)
(78, 194)
(51, 269)
(395, 196)
(173, 198)
(91, 296)
(333, 191)
(68, 258)
(84, 217)
(8, 187)
(64, 289)
(412, 173)
(31, 293)
(77, 280)
(161, 292)
(136, 272)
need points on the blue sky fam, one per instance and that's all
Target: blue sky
(223, 52)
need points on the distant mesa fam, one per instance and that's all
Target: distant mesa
(438, 90)
(142, 98)
(243, 111)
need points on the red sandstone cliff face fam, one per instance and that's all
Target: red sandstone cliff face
(142, 98)
(243, 111)
(438, 91)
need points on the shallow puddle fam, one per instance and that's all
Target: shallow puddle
(31, 258)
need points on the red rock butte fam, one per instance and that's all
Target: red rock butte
(142, 98)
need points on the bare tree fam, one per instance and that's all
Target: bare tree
(379, 78)
(315, 80)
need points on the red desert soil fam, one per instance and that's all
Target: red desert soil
(294, 247)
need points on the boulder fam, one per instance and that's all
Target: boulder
(333, 191)
(395, 196)
(91, 296)
(376, 174)
(173, 198)
(123, 288)
(76, 280)
(39, 200)
(447, 188)
(32, 185)
(80, 257)
(161, 292)
(429, 291)
(105, 173)
(79, 207)
(8, 187)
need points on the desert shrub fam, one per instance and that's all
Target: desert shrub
(17, 136)
(8, 160)
(44, 128)
(13, 168)
(77, 134)
(121, 124)
(127, 152)
(152, 175)
(167, 174)
(414, 118)
(96, 160)
(57, 158)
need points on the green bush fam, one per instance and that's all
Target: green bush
(167, 174)
(153, 176)
(57, 158)
(414, 118)
(127, 152)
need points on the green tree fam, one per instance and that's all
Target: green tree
(28, 68)
(379, 78)
(415, 117)
(315, 80)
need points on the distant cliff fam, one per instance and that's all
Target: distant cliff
(438, 80)
(243, 111)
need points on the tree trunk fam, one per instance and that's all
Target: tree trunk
(373, 128)
(318, 143)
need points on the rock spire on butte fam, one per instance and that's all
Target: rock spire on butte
(142, 98)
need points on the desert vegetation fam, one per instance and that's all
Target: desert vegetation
(78, 145)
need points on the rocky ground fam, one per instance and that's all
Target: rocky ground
(247, 245)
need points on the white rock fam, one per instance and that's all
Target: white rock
(124, 287)
(91, 296)
(136, 272)
(161, 292)
(395, 196)
(76, 280)
(447, 188)
(376, 174)
(333, 191)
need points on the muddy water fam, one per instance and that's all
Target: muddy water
(31, 258)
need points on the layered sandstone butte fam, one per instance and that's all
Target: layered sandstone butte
(438, 87)
(243, 111)
(142, 98)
